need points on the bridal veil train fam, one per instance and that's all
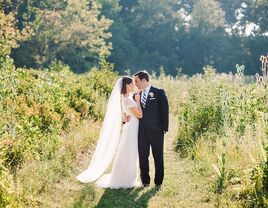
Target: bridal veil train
(117, 145)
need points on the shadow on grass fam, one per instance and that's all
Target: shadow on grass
(86, 196)
(124, 198)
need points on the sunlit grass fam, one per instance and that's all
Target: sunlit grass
(189, 182)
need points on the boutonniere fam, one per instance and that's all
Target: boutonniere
(151, 94)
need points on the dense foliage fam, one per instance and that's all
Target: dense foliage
(186, 34)
(37, 106)
(71, 31)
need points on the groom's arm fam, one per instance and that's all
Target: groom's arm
(164, 110)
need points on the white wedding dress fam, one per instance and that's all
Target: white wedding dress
(117, 145)
(124, 172)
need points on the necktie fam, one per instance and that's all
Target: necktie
(143, 99)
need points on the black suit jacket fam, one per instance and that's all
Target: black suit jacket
(156, 111)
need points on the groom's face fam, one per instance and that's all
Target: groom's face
(138, 82)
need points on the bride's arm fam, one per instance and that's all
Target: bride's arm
(137, 111)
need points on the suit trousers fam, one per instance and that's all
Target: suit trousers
(155, 139)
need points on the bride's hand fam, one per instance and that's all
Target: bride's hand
(126, 118)
(137, 97)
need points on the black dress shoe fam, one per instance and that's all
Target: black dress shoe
(158, 185)
(146, 185)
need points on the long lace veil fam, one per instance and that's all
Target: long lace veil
(108, 139)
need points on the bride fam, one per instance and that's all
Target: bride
(117, 143)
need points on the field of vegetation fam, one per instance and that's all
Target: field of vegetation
(223, 131)
(55, 81)
(50, 122)
(37, 109)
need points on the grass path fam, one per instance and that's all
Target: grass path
(180, 188)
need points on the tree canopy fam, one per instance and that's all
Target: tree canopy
(138, 34)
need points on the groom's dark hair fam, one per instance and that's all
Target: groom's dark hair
(143, 75)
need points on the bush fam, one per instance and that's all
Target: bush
(259, 194)
(213, 105)
(201, 114)
(226, 117)
(37, 106)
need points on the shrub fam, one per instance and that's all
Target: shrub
(36, 107)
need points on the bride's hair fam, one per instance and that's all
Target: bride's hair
(125, 81)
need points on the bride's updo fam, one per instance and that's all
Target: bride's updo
(125, 81)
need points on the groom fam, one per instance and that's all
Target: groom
(152, 127)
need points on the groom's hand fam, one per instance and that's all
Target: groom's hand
(137, 97)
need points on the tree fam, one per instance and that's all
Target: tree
(10, 36)
(256, 12)
(152, 26)
(146, 34)
(207, 15)
(124, 50)
(74, 34)
(231, 8)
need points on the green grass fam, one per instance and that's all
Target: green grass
(53, 184)
(188, 182)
